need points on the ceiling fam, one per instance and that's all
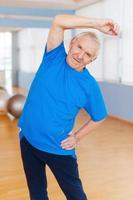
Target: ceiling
(56, 4)
(46, 4)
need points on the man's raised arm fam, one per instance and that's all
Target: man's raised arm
(64, 22)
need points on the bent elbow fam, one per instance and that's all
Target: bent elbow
(57, 20)
(60, 21)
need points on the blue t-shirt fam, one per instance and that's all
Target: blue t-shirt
(56, 95)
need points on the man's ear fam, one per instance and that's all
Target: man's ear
(72, 41)
(70, 44)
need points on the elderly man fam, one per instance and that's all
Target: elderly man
(61, 87)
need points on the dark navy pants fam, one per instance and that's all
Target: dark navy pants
(64, 168)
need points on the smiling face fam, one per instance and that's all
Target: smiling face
(82, 51)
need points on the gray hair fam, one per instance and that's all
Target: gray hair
(89, 34)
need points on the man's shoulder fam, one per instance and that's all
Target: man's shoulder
(58, 49)
(56, 54)
(90, 77)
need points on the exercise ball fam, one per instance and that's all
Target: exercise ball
(4, 96)
(15, 105)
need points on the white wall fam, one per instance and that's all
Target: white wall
(112, 62)
(121, 68)
(127, 43)
(31, 44)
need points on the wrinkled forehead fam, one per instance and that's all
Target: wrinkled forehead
(85, 39)
(87, 43)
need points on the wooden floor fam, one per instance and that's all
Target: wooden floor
(105, 160)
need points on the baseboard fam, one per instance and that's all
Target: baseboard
(120, 119)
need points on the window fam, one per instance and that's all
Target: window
(5, 59)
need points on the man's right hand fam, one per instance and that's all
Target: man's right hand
(108, 26)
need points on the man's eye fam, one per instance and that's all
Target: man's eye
(79, 47)
(88, 55)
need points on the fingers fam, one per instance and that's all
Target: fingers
(68, 147)
(68, 143)
(117, 29)
(108, 26)
(114, 28)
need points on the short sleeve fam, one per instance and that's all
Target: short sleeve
(95, 105)
(57, 51)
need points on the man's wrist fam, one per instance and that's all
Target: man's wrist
(94, 23)
(76, 137)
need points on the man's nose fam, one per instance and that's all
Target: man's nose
(81, 55)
